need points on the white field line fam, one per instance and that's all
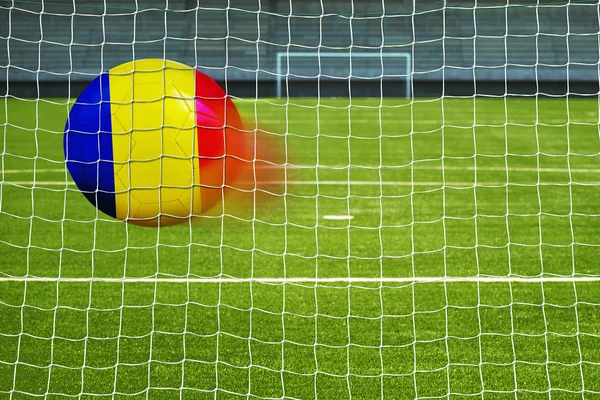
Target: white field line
(550, 122)
(424, 279)
(517, 169)
(423, 167)
(325, 183)
(389, 183)
(37, 183)
(30, 171)
(333, 183)
(338, 217)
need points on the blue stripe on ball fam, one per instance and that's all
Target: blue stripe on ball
(88, 145)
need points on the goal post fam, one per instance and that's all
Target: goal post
(333, 65)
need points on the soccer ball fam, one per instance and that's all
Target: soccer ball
(154, 142)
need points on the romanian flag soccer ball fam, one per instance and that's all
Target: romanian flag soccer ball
(154, 142)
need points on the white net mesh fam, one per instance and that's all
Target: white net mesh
(441, 244)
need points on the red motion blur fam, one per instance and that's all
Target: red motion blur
(226, 151)
(221, 147)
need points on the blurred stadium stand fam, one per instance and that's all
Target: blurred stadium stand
(54, 49)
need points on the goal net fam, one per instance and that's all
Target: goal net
(436, 234)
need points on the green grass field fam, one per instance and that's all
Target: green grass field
(461, 188)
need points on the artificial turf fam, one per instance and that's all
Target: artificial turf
(437, 188)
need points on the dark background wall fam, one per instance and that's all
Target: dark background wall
(457, 47)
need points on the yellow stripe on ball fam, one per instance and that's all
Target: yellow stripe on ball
(154, 141)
